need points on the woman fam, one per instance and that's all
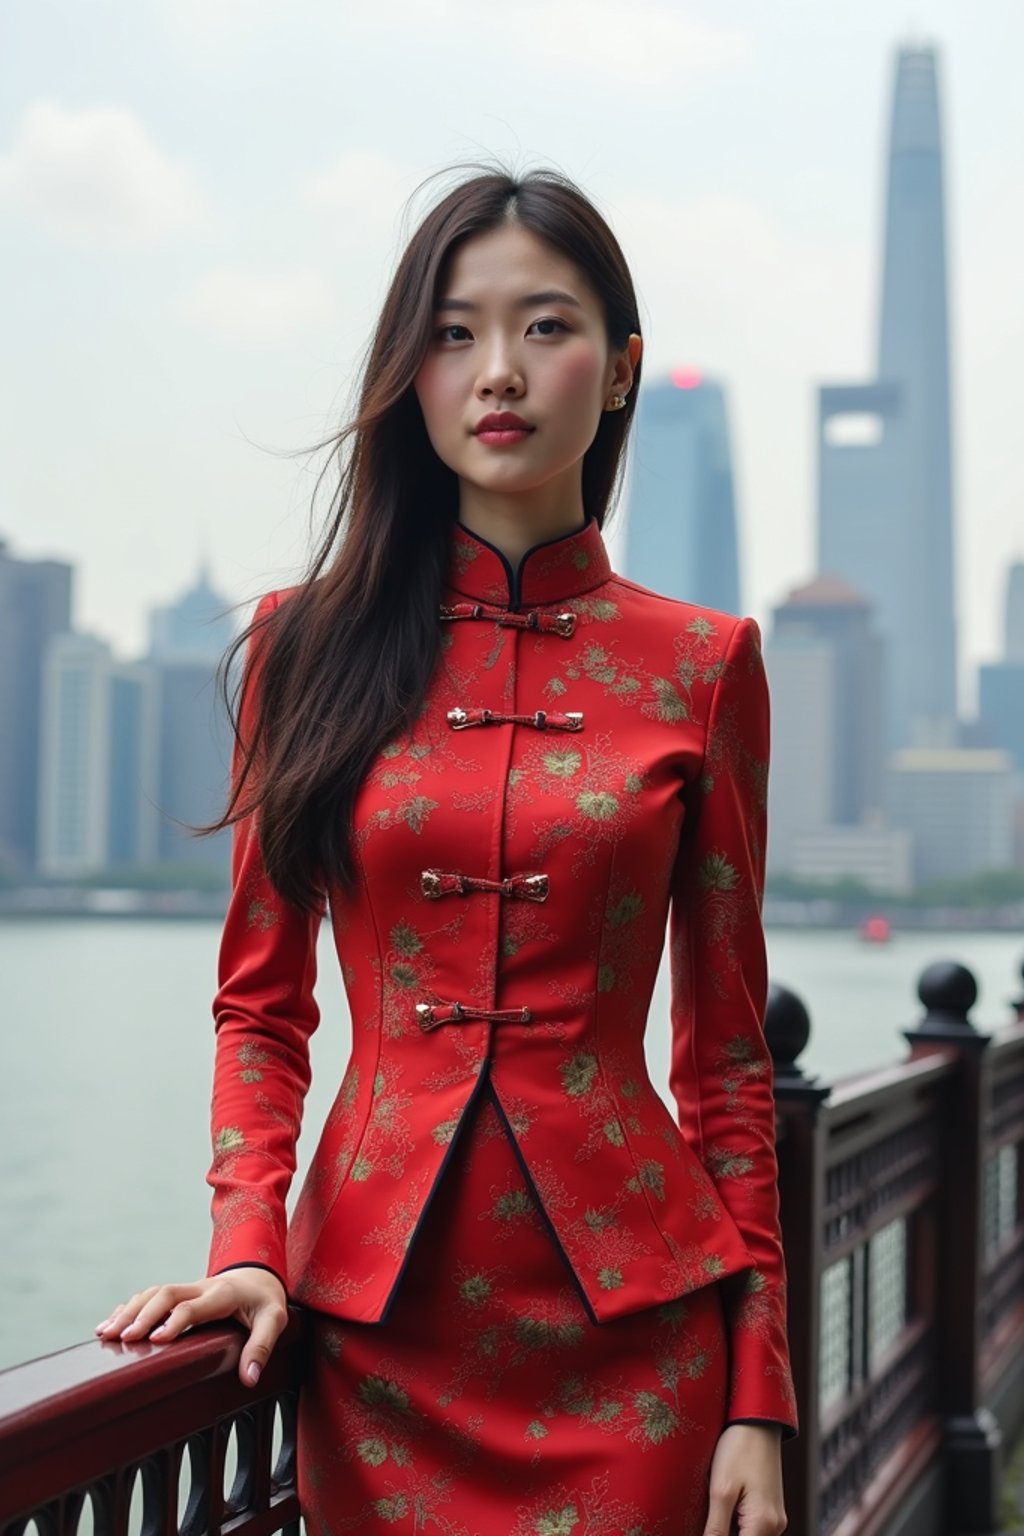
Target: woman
(538, 1304)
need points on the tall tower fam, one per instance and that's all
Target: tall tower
(681, 530)
(885, 499)
(35, 604)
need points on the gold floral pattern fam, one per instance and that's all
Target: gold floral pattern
(651, 812)
(492, 1419)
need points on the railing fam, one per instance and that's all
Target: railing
(903, 1224)
(144, 1439)
(902, 1221)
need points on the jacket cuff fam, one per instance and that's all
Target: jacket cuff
(789, 1431)
(249, 1264)
(244, 1237)
(760, 1379)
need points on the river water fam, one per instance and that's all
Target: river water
(104, 1092)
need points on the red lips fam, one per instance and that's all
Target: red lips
(502, 421)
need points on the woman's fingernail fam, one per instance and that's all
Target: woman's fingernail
(105, 1324)
(253, 1372)
(161, 1329)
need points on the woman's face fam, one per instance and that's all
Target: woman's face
(517, 328)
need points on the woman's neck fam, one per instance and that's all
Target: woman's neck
(515, 524)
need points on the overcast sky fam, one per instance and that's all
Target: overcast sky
(201, 202)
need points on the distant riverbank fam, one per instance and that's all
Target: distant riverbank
(102, 902)
(779, 911)
(827, 912)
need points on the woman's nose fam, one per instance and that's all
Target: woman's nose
(500, 372)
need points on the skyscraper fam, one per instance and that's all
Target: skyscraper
(198, 627)
(1013, 613)
(35, 603)
(1001, 683)
(681, 528)
(828, 610)
(97, 759)
(187, 640)
(885, 503)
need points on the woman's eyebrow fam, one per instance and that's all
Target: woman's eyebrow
(548, 296)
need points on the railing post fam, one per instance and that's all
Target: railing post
(1017, 1003)
(972, 1442)
(801, 1152)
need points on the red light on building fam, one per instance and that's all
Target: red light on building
(685, 378)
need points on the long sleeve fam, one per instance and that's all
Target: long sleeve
(721, 1072)
(264, 1013)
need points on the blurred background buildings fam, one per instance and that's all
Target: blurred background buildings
(877, 774)
(105, 759)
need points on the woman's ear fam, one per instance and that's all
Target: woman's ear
(625, 364)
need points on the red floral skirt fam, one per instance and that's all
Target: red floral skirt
(488, 1404)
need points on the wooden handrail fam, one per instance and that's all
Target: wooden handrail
(88, 1421)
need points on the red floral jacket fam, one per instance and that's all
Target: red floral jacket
(590, 767)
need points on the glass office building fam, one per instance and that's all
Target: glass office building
(681, 525)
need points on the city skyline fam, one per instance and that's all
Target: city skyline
(196, 307)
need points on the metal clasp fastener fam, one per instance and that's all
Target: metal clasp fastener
(460, 719)
(566, 623)
(574, 719)
(440, 882)
(535, 887)
(427, 1016)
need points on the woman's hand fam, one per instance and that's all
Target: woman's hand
(253, 1296)
(746, 1482)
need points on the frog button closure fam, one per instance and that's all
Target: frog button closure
(541, 719)
(553, 623)
(430, 1015)
(435, 883)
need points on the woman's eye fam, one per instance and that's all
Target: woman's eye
(446, 331)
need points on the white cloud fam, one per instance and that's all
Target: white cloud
(259, 308)
(95, 177)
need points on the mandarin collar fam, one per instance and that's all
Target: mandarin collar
(548, 572)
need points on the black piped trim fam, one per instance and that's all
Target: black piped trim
(467, 1109)
(545, 1218)
(251, 1264)
(788, 1431)
(515, 577)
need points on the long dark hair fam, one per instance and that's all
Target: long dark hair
(346, 659)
